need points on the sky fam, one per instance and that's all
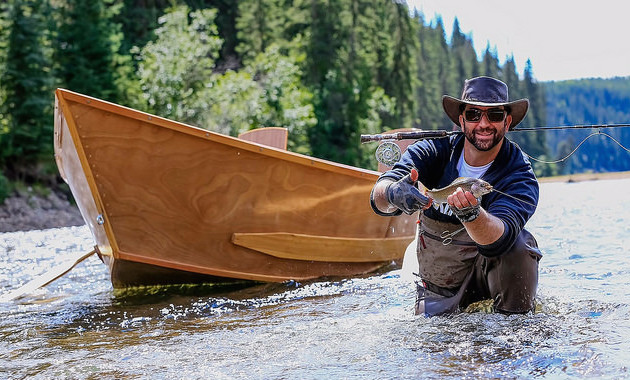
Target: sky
(563, 39)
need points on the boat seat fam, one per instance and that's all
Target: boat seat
(275, 137)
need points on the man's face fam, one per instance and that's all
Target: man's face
(484, 127)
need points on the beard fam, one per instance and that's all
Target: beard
(486, 143)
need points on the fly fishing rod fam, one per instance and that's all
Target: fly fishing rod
(591, 126)
(440, 133)
(411, 135)
(388, 152)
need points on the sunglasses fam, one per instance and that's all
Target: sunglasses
(494, 115)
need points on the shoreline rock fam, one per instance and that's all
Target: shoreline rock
(28, 211)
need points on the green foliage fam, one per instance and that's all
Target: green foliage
(176, 73)
(435, 77)
(285, 102)
(5, 27)
(586, 102)
(341, 70)
(26, 131)
(5, 188)
(138, 20)
(236, 99)
(402, 77)
(465, 64)
(260, 24)
(533, 143)
(266, 94)
(88, 51)
(490, 63)
(328, 71)
(175, 69)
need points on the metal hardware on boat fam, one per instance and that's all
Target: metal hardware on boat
(99, 219)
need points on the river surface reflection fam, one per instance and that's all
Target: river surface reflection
(78, 327)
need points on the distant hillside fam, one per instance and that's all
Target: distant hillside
(589, 101)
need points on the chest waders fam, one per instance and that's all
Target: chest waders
(453, 274)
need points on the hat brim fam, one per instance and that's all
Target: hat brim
(518, 108)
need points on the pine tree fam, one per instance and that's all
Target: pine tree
(380, 49)
(465, 61)
(490, 64)
(435, 78)
(27, 88)
(5, 27)
(510, 77)
(534, 92)
(138, 20)
(341, 70)
(87, 49)
(328, 37)
(368, 66)
(403, 77)
(260, 23)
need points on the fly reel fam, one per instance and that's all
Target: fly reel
(388, 153)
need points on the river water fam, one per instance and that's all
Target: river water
(78, 327)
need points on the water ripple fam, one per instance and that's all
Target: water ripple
(78, 327)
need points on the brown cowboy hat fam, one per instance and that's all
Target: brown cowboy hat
(485, 92)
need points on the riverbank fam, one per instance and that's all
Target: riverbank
(29, 211)
(585, 177)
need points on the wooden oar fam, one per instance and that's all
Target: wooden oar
(44, 279)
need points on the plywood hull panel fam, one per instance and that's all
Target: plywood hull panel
(162, 193)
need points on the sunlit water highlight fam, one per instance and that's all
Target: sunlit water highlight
(77, 327)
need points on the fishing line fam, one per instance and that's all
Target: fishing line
(577, 147)
(512, 196)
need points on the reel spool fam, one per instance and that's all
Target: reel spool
(388, 153)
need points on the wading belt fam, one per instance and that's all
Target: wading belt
(445, 232)
(447, 242)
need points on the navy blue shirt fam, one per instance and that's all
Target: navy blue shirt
(511, 173)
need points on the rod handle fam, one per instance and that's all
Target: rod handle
(413, 135)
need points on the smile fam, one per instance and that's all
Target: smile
(485, 133)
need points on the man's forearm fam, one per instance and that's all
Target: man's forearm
(486, 229)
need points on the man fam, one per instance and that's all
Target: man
(470, 249)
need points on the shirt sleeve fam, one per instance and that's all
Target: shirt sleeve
(514, 210)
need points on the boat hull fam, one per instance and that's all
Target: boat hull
(171, 196)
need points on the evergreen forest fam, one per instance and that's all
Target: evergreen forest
(589, 102)
(328, 71)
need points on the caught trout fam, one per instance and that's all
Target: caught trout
(477, 187)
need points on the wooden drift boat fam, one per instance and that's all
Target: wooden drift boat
(169, 203)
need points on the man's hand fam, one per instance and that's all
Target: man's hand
(405, 195)
(464, 205)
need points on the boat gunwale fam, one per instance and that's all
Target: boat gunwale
(235, 142)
